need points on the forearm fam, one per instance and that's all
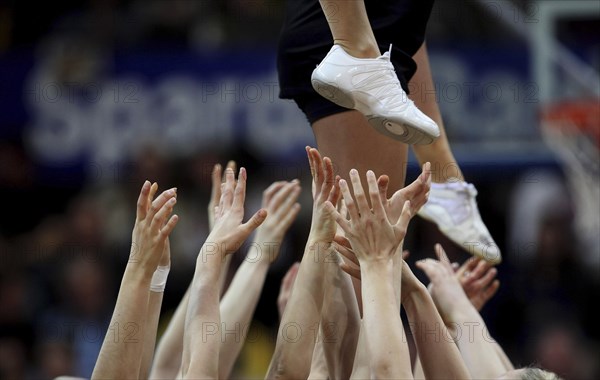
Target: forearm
(203, 322)
(121, 353)
(237, 308)
(360, 367)
(223, 275)
(418, 373)
(303, 312)
(340, 323)
(390, 357)
(476, 346)
(439, 355)
(154, 304)
(318, 364)
(508, 366)
(169, 352)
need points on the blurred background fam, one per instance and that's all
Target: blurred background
(98, 95)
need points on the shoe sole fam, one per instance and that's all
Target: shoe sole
(409, 134)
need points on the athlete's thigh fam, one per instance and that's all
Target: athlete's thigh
(350, 141)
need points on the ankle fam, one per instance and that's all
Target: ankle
(361, 49)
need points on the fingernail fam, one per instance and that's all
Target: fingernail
(353, 172)
(172, 201)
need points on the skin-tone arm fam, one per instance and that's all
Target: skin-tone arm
(285, 290)
(375, 241)
(440, 357)
(203, 321)
(300, 321)
(154, 303)
(121, 353)
(239, 302)
(477, 279)
(340, 323)
(417, 193)
(318, 364)
(422, 92)
(478, 353)
(167, 361)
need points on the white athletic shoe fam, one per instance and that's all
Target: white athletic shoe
(453, 208)
(372, 87)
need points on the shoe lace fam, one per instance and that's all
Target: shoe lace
(386, 81)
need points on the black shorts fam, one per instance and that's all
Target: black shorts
(306, 39)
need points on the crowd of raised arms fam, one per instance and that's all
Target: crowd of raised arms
(352, 281)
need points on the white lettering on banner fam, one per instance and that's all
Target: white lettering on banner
(179, 114)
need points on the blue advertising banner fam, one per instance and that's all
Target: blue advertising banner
(186, 102)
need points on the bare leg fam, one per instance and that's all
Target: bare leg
(443, 163)
(350, 27)
(350, 142)
(471, 234)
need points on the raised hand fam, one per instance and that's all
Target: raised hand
(292, 359)
(279, 200)
(484, 358)
(417, 193)
(135, 307)
(445, 289)
(325, 188)
(351, 265)
(371, 233)
(229, 232)
(238, 304)
(217, 180)
(375, 241)
(477, 278)
(152, 227)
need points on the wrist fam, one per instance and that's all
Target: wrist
(383, 266)
(264, 248)
(415, 296)
(159, 279)
(136, 275)
(212, 250)
(461, 312)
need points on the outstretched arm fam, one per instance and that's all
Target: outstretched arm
(239, 302)
(167, 361)
(203, 321)
(479, 353)
(122, 350)
(300, 321)
(157, 288)
(340, 323)
(376, 241)
(439, 356)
